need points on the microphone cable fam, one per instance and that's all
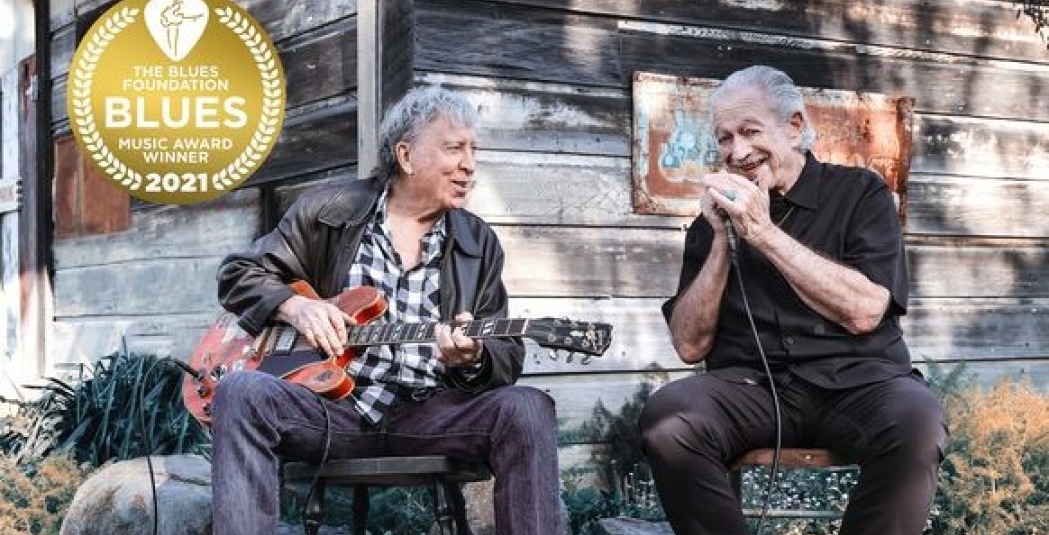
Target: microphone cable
(773, 476)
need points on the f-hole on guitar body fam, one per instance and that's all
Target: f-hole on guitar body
(280, 351)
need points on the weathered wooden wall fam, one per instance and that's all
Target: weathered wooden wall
(552, 81)
(154, 283)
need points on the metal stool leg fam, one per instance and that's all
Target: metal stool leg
(433, 472)
(360, 509)
(455, 492)
(736, 478)
(442, 509)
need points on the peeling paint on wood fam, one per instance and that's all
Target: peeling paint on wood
(553, 83)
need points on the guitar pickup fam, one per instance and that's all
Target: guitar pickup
(285, 340)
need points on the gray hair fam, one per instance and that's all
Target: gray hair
(405, 119)
(782, 94)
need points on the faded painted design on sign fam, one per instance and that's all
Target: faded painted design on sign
(674, 146)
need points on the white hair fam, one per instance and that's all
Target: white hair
(416, 109)
(783, 95)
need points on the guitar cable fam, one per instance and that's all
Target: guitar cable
(146, 439)
(768, 375)
(149, 446)
(199, 375)
(320, 467)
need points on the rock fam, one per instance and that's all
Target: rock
(117, 499)
(480, 508)
(632, 526)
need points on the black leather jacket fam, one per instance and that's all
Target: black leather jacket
(317, 240)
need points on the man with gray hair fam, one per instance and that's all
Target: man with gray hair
(791, 288)
(403, 231)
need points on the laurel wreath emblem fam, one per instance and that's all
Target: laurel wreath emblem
(228, 177)
(272, 100)
(81, 90)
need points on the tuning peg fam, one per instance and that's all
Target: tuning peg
(587, 359)
(569, 357)
(553, 354)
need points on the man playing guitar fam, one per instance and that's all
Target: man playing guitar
(403, 232)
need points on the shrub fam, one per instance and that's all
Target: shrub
(585, 504)
(34, 497)
(128, 404)
(391, 511)
(100, 418)
(994, 478)
(628, 487)
(625, 465)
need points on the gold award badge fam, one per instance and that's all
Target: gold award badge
(177, 101)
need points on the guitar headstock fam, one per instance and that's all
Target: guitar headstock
(578, 336)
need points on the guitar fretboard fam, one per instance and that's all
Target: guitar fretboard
(409, 333)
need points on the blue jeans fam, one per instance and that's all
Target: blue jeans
(259, 421)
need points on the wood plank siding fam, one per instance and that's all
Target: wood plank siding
(155, 282)
(552, 81)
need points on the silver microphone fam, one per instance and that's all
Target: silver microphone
(733, 240)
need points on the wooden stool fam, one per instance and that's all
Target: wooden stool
(790, 458)
(444, 475)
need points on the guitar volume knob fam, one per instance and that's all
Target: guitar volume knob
(219, 372)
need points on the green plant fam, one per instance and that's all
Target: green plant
(126, 405)
(401, 511)
(949, 383)
(15, 425)
(625, 459)
(585, 504)
(391, 511)
(628, 488)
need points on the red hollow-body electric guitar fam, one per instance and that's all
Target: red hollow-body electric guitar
(280, 351)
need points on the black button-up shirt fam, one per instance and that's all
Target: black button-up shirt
(846, 214)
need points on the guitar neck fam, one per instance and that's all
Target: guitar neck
(374, 334)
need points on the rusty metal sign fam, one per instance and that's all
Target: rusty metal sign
(673, 144)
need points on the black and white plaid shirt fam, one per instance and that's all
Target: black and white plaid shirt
(383, 371)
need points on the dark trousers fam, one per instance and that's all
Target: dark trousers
(895, 430)
(260, 420)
